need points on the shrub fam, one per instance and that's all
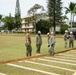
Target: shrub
(63, 28)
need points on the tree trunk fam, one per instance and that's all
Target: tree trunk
(54, 18)
(71, 19)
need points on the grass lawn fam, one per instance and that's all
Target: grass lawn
(13, 46)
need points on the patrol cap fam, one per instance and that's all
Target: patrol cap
(39, 32)
(71, 32)
(66, 31)
(48, 33)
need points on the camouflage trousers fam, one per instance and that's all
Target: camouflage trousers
(38, 48)
(71, 43)
(51, 50)
(65, 43)
(28, 50)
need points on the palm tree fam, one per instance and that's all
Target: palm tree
(71, 10)
(74, 14)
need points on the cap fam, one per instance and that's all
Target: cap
(39, 32)
(48, 33)
(66, 31)
(71, 32)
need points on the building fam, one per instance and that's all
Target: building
(28, 22)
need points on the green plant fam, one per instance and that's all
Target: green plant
(63, 28)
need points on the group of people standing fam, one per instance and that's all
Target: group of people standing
(28, 43)
(69, 37)
(51, 43)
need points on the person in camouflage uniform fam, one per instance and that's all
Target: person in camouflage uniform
(65, 38)
(71, 39)
(38, 42)
(28, 44)
(51, 43)
(48, 36)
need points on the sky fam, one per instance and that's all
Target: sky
(8, 6)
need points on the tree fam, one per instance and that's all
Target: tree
(43, 26)
(54, 12)
(17, 15)
(33, 11)
(71, 9)
(74, 24)
(8, 22)
(63, 28)
(0, 18)
(64, 17)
